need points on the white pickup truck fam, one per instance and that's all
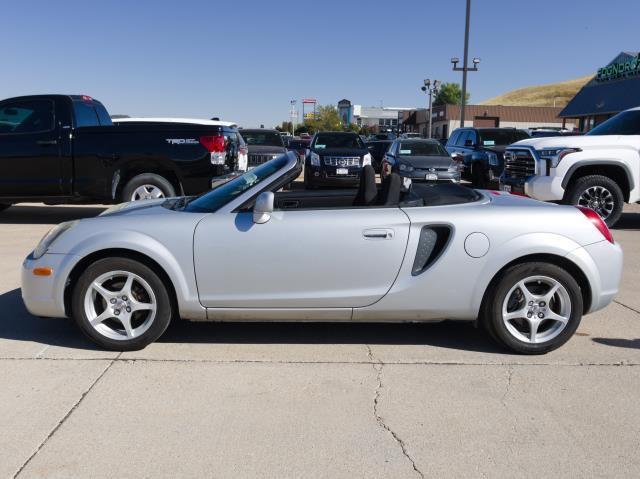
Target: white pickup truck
(600, 170)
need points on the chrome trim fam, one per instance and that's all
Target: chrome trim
(342, 161)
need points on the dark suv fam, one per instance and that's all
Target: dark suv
(481, 150)
(335, 159)
(263, 145)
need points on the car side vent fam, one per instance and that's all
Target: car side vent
(433, 240)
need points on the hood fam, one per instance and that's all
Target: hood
(551, 142)
(266, 150)
(137, 207)
(427, 161)
(341, 151)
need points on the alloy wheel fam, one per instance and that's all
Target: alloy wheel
(599, 199)
(536, 309)
(147, 192)
(120, 305)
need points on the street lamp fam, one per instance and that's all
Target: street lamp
(465, 68)
(294, 115)
(431, 89)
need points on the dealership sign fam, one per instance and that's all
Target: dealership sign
(622, 69)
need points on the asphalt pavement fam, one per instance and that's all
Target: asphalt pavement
(313, 400)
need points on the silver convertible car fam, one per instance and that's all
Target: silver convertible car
(253, 249)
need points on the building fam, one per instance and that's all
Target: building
(446, 118)
(376, 119)
(614, 88)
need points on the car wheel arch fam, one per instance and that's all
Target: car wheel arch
(97, 255)
(558, 260)
(127, 171)
(617, 171)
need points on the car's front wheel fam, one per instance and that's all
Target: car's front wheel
(121, 304)
(599, 193)
(533, 308)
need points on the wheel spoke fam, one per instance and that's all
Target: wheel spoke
(528, 296)
(126, 323)
(157, 193)
(521, 313)
(551, 293)
(106, 314)
(557, 317)
(102, 291)
(138, 306)
(533, 325)
(126, 289)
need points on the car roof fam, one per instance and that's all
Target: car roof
(192, 121)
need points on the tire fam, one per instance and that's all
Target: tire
(155, 185)
(546, 308)
(144, 305)
(603, 190)
(308, 183)
(4, 206)
(478, 176)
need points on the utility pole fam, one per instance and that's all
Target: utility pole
(465, 68)
(294, 113)
(430, 90)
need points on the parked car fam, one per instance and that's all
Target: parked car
(335, 158)
(599, 170)
(481, 151)
(263, 145)
(378, 148)
(408, 135)
(421, 160)
(525, 270)
(383, 136)
(65, 149)
(547, 132)
(299, 146)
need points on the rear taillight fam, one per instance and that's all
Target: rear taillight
(215, 145)
(596, 221)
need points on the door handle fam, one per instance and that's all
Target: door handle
(378, 234)
(46, 142)
(290, 204)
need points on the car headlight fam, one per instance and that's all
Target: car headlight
(366, 160)
(315, 159)
(455, 167)
(555, 155)
(405, 167)
(53, 234)
(493, 158)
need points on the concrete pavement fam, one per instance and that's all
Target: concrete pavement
(313, 400)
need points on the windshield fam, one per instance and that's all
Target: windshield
(625, 123)
(262, 138)
(501, 137)
(337, 140)
(422, 148)
(223, 194)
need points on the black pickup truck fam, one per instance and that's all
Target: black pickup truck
(65, 149)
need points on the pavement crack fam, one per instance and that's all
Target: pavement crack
(625, 306)
(378, 367)
(65, 417)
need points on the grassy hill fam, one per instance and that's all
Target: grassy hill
(542, 95)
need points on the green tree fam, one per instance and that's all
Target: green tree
(327, 119)
(449, 94)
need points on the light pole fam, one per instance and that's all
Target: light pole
(294, 114)
(430, 90)
(465, 68)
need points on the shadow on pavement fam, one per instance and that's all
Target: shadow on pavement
(619, 342)
(628, 221)
(42, 214)
(17, 324)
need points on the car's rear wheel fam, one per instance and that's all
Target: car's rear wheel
(534, 308)
(599, 193)
(4, 206)
(121, 304)
(147, 186)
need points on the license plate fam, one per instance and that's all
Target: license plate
(342, 171)
(431, 177)
(506, 188)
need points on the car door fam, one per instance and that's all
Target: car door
(316, 258)
(29, 149)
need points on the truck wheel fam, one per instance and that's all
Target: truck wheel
(121, 304)
(4, 206)
(534, 308)
(147, 186)
(599, 193)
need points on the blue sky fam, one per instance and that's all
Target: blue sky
(244, 61)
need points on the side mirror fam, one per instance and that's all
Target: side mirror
(263, 208)
(457, 157)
